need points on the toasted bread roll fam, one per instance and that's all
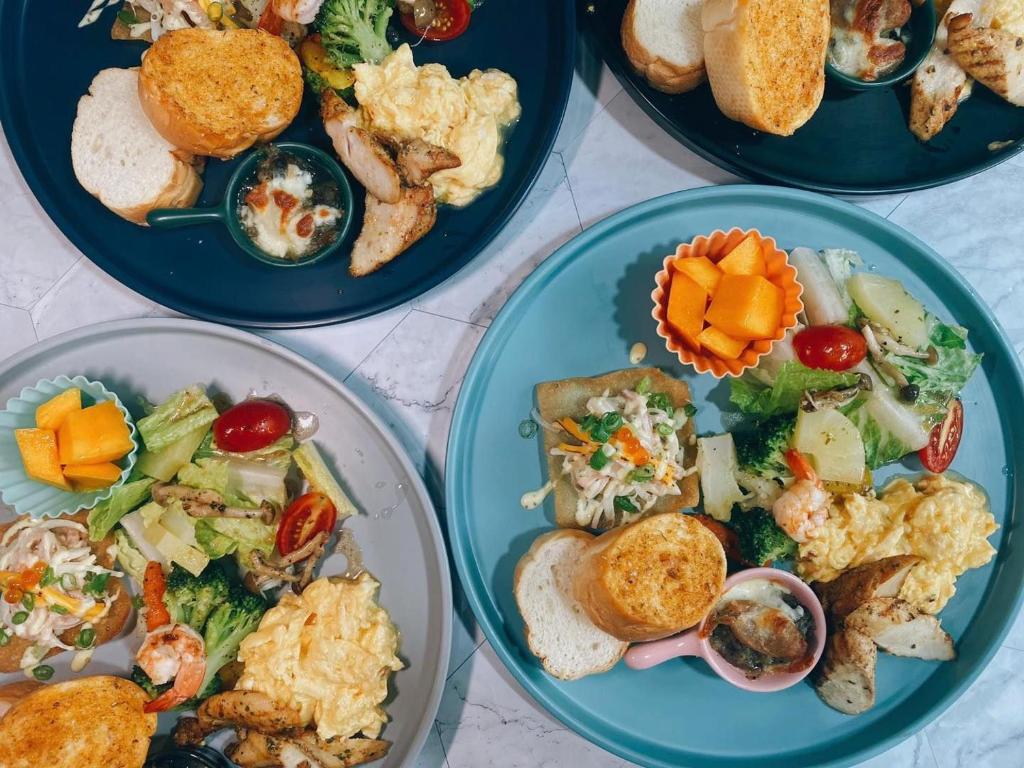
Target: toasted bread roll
(664, 42)
(766, 60)
(218, 92)
(651, 578)
(558, 630)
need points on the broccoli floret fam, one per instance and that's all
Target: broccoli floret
(761, 450)
(142, 680)
(190, 599)
(229, 624)
(761, 541)
(354, 31)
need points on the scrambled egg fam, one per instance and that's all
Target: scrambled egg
(943, 521)
(327, 653)
(466, 116)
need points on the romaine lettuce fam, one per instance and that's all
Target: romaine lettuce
(129, 558)
(320, 479)
(881, 446)
(240, 483)
(105, 515)
(784, 395)
(278, 454)
(220, 536)
(183, 412)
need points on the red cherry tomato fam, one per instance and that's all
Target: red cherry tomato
(251, 425)
(832, 347)
(305, 517)
(450, 21)
(944, 440)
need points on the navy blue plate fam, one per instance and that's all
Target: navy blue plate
(47, 63)
(856, 143)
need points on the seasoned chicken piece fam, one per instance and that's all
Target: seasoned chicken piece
(259, 750)
(361, 152)
(418, 159)
(993, 57)
(847, 679)
(352, 751)
(899, 629)
(388, 229)
(854, 587)
(940, 84)
(247, 709)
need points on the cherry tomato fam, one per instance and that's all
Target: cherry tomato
(450, 21)
(832, 347)
(251, 425)
(305, 517)
(944, 440)
(726, 536)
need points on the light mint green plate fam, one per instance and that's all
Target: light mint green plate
(28, 496)
(577, 315)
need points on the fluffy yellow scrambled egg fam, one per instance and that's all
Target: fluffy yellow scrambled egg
(944, 521)
(327, 653)
(467, 116)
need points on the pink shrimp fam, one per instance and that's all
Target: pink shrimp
(803, 508)
(301, 11)
(173, 651)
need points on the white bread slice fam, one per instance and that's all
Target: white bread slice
(766, 60)
(557, 628)
(119, 157)
(664, 41)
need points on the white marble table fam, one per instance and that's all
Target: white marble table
(408, 364)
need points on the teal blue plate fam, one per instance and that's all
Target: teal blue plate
(577, 315)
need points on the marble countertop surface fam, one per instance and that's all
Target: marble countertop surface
(408, 363)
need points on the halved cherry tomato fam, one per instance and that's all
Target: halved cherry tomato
(450, 20)
(800, 466)
(726, 536)
(305, 517)
(251, 425)
(832, 347)
(944, 440)
(153, 587)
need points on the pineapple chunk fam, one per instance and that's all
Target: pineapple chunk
(886, 302)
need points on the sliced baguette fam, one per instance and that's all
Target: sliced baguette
(766, 60)
(218, 92)
(664, 42)
(120, 159)
(558, 630)
(568, 397)
(651, 578)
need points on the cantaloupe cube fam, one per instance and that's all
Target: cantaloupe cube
(686, 304)
(702, 271)
(721, 344)
(89, 477)
(745, 259)
(94, 435)
(38, 449)
(51, 414)
(746, 307)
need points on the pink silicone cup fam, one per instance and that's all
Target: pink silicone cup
(692, 643)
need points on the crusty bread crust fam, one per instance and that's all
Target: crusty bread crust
(525, 562)
(766, 60)
(181, 192)
(651, 578)
(568, 397)
(107, 628)
(662, 75)
(218, 92)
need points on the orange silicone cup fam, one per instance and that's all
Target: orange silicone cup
(715, 246)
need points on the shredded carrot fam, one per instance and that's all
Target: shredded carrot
(574, 429)
(153, 587)
(584, 449)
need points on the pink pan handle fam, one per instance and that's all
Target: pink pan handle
(647, 655)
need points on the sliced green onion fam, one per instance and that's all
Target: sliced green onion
(138, 602)
(20, 617)
(611, 421)
(60, 610)
(661, 402)
(590, 423)
(641, 474)
(68, 582)
(527, 428)
(665, 429)
(96, 584)
(29, 601)
(643, 386)
(623, 503)
(42, 672)
(127, 18)
(86, 638)
(4, 638)
(598, 460)
(600, 434)
(49, 577)
(690, 410)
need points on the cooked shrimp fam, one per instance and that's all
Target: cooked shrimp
(177, 652)
(803, 508)
(300, 11)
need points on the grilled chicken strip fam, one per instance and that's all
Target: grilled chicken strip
(417, 160)
(388, 229)
(993, 57)
(361, 152)
(258, 750)
(246, 709)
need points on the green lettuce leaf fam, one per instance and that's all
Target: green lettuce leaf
(240, 483)
(129, 558)
(105, 515)
(220, 536)
(183, 412)
(278, 454)
(881, 447)
(792, 380)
